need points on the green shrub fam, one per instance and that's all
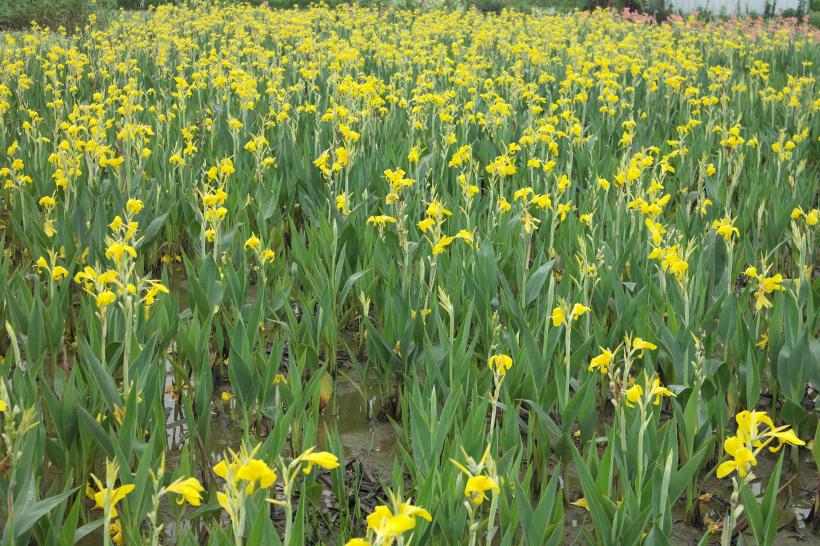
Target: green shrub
(814, 19)
(16, 14)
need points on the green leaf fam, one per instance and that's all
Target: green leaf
(28, 515)
(102, 376)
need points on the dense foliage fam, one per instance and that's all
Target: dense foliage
(571, 260)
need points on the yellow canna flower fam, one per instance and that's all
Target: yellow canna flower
(658, 391)
(602, 361)
(47, 201)
(413, 155)
(387, 525)
(254, 471)
(578, 310)
(442, 244)
(633, 395)
(466, 236)
(252, 243)
(105, 298)
(189, 489)
(522, 194)
(742, 458)
(542, 201)
(112, 497)
(323, 459)
(558, 316)
(381, 220)
(226, 504)
(134, 206)
(343, 204)
(726, 229)
(436, 210)
(477, 487)
(500, 363)
(643, 345)
(503, 205)
(59, 273)
(426, 224)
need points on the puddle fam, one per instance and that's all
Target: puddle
(370, 441)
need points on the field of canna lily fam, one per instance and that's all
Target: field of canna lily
(371, 276)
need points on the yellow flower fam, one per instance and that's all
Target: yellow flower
(267, 255)
(112, 497)
(189, 489)
(442, 244)
(500, 363)
(115, 530)
(226, 396)
(633, 395)
(105, 298)
(249, 470)
(726, 229)
(581, 503)
(323, 459)
(47, 201)
(522, 194)
(117, 250)
(542, 201)
(659, 391)
(59, 273)
(387, 525)
(343, 204)
(3, 406)
(504, 205)
(381, 220)
(602, 361)
(562, 211)
(426, 224)
(477, 488)
(466, 236)
(642, 345)
(134, 206)
(226, 504)
(357, 542)
(784, 435)
(254, 471)
(413, 155)
(252, 243)
(436, 210)
(578, 310)
(107, 277)
(742, 458)
(558, 316)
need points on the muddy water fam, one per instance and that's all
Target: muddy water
(369, 441)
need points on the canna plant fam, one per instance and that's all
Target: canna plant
(408, 274)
